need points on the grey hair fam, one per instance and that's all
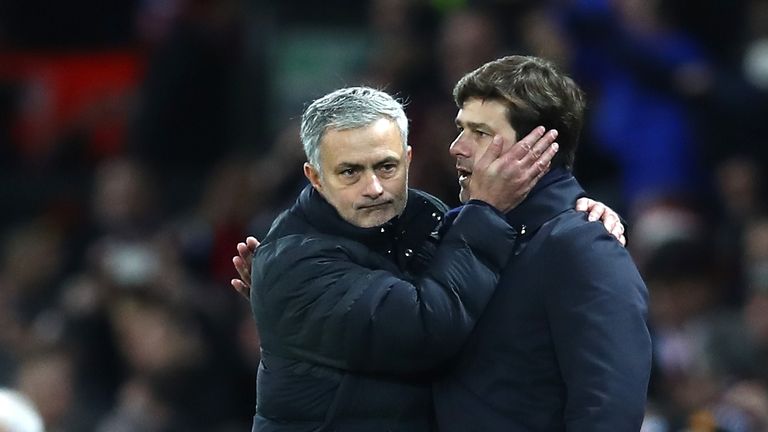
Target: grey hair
(348, 108)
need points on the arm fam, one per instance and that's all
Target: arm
(597, 311)
(500, 171)
(329, 301)
(318, 301)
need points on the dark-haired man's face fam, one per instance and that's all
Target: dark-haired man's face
(478, 121)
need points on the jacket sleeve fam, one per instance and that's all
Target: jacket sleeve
(315, 301)
(597, 311)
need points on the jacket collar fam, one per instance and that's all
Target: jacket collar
(555, 193)
(324, 217)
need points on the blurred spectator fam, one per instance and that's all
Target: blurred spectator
(684, 299)
(163, 352)
(466, 39)
(755, 55)
(739, 184)
(401, 34)
(274, 180)
(641, 71)
(39, 25)
(187, 100)
(123, 198)
(28, 293)
(49, 378)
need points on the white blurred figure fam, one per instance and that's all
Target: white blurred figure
(17, 414)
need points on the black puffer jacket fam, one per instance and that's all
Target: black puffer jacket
(352, 319)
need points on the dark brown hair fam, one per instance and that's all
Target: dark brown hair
(535, 93)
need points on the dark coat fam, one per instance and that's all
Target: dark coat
(563, 344)
(340, 313)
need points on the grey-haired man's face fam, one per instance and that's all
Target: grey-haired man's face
(364, 172)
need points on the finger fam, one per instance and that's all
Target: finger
(542, 170)
(524, 146)
(583, 203)
(237, 262)
(242, 268)
(623, 240)
(596, 212)
(252, 243)
(549, 154)
(245, 252)
(241, 288)
(242, 248)
(237, 284)
(542, 164)
(616, 232)
(610, 219)
(543, 143)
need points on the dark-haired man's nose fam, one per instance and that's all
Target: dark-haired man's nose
(459, 147)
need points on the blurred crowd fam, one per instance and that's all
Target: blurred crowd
(140, 141)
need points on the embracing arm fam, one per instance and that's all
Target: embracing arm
(504, 175)
(597, 211)
(331, 301)
(315, 301)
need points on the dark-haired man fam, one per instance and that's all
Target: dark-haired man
(563, 344)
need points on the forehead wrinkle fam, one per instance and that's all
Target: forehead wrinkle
(370, 159)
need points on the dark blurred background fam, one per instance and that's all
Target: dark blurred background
(140, 140)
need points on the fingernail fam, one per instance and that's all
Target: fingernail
(555, 146)
(554, 133)
(592, 218)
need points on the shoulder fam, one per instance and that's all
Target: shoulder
(582, 245)
(586, 255)
(293, 247)
(571, 229)
(304, 265)
(287, 223)
(311, 252)
(290, 239)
